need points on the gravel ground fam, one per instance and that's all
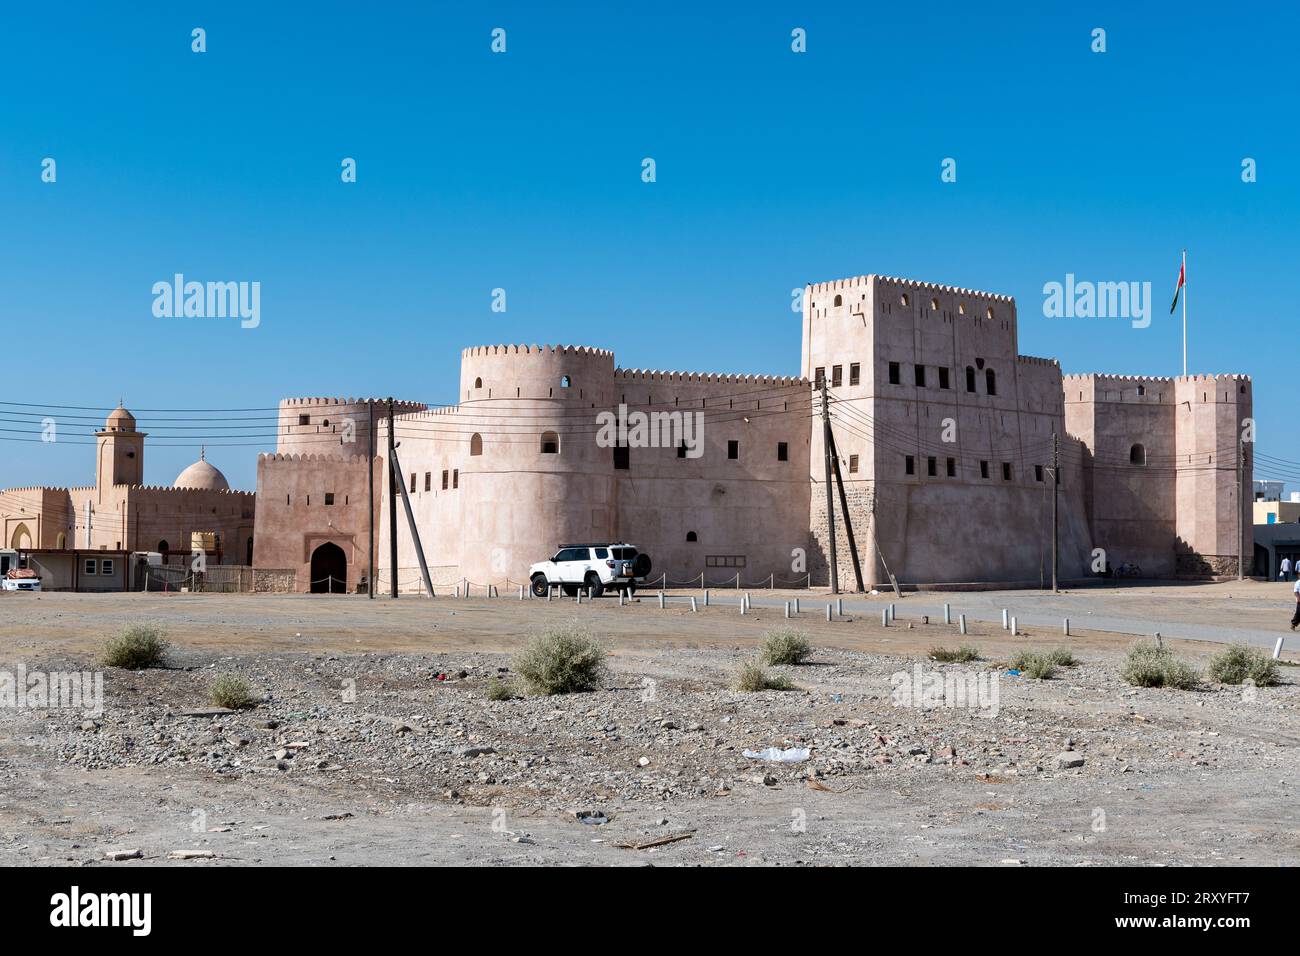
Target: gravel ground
(399, 757)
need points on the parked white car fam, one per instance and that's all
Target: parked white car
(21, 579)
(618, 567)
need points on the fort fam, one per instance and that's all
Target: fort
(948, 441)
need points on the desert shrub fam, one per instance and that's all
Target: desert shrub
(752, 677)
(231, 691)
(1239, 664)
(784, 645)
(1038, 667)
(1062, 657)
(138, 647)
(962, 655)
(1150, 665)
(561, 660)
(498, 689)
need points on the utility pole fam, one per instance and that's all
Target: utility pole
(393, 477)
(1241, 506)
(844, 510)
(1056, 494)
(830, 495)
(370, 489)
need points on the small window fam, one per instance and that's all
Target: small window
(819, 376)
(475, 445)
(1142, 390)
(855, 373)
(839, 300)
(782, 451)
(329, 498)
(932, 467)
(837, 376)
(455, 477)
(853, 464)
(991, 381)
(428, 481)
(943, 378)
(106, 566)
(1137, 455)
(445, 475)
(565, 381)
(903, 298)
(550, 443)
(412, 485)
(478, 383)
(895, 373)
(622, 457)
(970, 379)
(989, 312)
(984, 469)
(90, 566)
(733, 449)
(909, 465)
(920, 376)
(934, 305)
(304, 419)
(952, 467)
(692, 536)
(1006, 471)
(1038, 472)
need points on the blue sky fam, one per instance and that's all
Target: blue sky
(522, 171)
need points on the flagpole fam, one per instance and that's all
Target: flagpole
(1184, 313)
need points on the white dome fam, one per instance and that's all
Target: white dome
(203, 476)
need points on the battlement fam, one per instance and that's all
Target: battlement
(857, 282)
(704, 378)
(301, 403)
(490, 350)
(1035, 360)
(171, 489)
(275, 457)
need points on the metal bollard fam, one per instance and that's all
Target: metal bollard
(787, 609)
(622, 596)
(1066, 627)
(839, 606)
(884, 617)
(577, 595)
(828, 613)
(694, 608)
(706, 598)
(661, 600)
(893, 613)
(1005, 619)
(796, 605)
(742, 608)
(947, 614)
(1014, 630)
(962, 620)
(1277, 648)
(458, 590)
(550, 591)
(521, 592)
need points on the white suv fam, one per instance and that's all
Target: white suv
(594, 566)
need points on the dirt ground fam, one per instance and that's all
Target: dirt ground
(376, 742)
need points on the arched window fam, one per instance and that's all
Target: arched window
(478, 383)
(61, 542)
(934, 305)
(991, 381)
(691, 536)
(1137, 455)
(565, 381)
(475, 444)
(970, 379)
(839, 300)
(550, 443)
(163, 547)
(989, 312)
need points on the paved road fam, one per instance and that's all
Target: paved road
(1090, 609)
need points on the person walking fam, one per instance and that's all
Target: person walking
(1295, 618)
(1285, 569)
